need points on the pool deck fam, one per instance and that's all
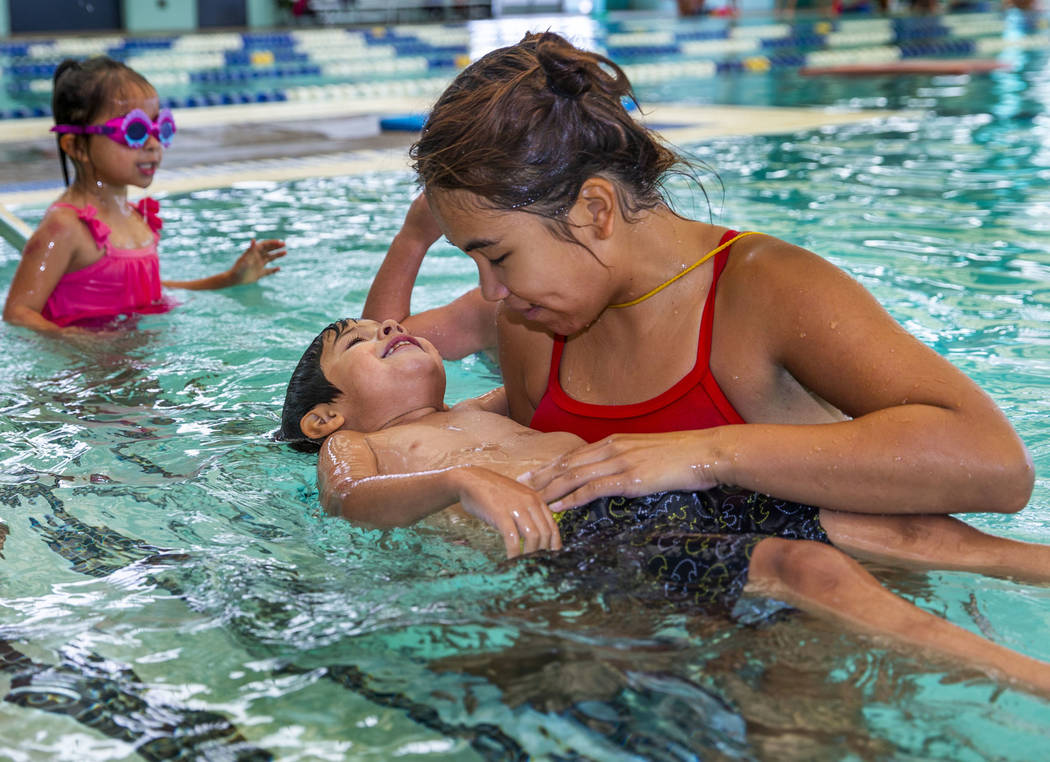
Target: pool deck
(224, 145)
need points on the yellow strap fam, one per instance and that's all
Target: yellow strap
(693, 266)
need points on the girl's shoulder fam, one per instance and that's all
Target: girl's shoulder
(71, 222)
(777, 286)
(524, 359)
(761, 261)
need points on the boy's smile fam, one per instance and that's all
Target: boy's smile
(401, 341)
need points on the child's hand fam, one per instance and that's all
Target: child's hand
(630, 465)
(254, 262)
(514, 510)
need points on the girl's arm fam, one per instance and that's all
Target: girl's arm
(493, 401)
(391, 293)
(464, 326)
(351, 486)
(921, 436)
(46, 258)
(252, 265)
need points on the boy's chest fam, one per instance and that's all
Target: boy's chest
(422, 448)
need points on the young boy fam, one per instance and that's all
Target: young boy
(370, 397)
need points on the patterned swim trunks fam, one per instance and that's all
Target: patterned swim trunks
(697, 544)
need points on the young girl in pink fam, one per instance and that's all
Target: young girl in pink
(94, 256)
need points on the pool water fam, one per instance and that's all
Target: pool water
(170, 588)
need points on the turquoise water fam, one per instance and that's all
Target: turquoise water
(171, 583)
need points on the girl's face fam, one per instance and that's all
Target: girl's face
(114, 163)
(521, 263)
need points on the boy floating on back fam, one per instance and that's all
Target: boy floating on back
(370, 397)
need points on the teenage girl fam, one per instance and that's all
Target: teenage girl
(687, 354)
(94, 256)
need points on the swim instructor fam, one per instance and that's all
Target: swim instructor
(688, 354)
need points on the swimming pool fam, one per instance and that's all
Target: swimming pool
(168, 586)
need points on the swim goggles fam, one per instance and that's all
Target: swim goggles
(133, 129)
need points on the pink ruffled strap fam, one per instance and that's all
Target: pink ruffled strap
(89, 216)
(149, 208)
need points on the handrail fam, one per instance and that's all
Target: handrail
(13, 230)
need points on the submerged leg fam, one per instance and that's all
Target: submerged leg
(825, 582)
(935, 542)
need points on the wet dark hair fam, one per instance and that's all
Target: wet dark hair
(524, 126)
(80, 90)
(306, 388)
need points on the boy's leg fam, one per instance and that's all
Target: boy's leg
(935, 542)
(825, 582)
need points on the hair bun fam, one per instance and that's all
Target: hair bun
(568, 75)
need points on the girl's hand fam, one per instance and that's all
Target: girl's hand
(512, 509)
(254, 262)
(629, 465)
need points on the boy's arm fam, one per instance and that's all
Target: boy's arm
(352, 487)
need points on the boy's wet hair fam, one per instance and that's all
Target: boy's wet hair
(81, 89)
(308, 387)
(524, 127)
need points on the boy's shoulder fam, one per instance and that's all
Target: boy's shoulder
(367, 448)
(340, 444)
(345, 456)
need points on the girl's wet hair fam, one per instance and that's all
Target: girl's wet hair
(308, 387)
(81, 90)
(524, 126)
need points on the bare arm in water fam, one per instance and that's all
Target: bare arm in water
(462, 327)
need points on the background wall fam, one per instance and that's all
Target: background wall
(160, 15)
(263, 13)
(138, 15)
(222, 13)
(34, 16)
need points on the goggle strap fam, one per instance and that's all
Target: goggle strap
(164, 119)
(83, 129)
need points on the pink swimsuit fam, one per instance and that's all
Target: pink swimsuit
(123, 281)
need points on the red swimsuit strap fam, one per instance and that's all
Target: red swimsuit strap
(703, 345)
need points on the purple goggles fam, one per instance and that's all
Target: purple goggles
(133, 129)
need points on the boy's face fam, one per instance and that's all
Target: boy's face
(382, 372)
